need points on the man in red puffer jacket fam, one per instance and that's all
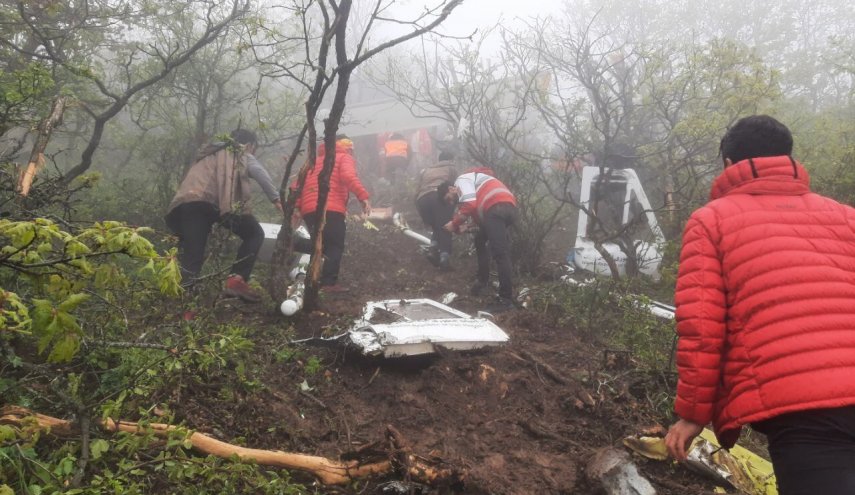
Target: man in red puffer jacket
(343, 181)
(766, 315)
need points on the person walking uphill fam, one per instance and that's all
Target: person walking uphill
(396, 158)
(766, 315)
(433, 209)
(490, 204)
(343, 181)
(216, 190)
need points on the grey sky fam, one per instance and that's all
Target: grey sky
(480, 13)
(475, 14)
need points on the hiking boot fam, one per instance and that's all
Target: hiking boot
(334, 289)
(236, 286)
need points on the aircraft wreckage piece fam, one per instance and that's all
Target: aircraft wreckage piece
(328, 471)
(656, 308)
(619, 195)
(294, 302)
(271, 232)
(739, 467)
(411, 327)
(401, 223)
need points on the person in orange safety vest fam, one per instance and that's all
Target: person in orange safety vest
(396, 158)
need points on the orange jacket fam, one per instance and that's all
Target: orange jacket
(764, 298)
(343, 181)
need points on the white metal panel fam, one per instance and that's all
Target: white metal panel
(418, 326)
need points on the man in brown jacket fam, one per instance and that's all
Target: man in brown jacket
(434, 211)
(216, 190)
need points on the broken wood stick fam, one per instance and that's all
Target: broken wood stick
(328, 471)
(37, 156)
(579, 391)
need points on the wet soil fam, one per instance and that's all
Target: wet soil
(521, 419)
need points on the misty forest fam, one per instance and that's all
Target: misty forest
(123, 372)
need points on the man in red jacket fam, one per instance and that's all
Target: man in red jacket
(766, 315)
(487, 201)
(343, 181)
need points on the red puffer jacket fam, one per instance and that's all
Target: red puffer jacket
(765, 300)
(342, 182)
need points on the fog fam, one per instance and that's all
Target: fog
(534, 90)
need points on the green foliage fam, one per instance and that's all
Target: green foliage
(611, 313)
(142, 464)
(825, 144)
(25, 94)
(14, 315)
(62, 270)
(194, 355)
(313, 366)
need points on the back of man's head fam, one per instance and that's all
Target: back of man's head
(446, 156)
(756, 136)
(443, 188)
(244, 136)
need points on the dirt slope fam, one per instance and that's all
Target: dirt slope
(504, 414)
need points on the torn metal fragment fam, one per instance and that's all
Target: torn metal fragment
(409, 327)
(738, 467)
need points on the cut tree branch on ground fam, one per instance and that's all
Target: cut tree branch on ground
(328, 471)
(578, 389)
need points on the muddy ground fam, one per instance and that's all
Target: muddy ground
(516, 419)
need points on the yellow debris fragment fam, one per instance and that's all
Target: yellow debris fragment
(745, 470)
(650, 447)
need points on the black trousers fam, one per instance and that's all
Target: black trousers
(335, 230)
(494, 232)
(435, 214)
(192, 223)
(395, 168)
(813, 452)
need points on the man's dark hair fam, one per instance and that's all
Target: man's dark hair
(442, 189)
(756, 136)
(446, 155)
(244, 136)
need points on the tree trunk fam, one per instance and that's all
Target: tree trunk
(37, 157)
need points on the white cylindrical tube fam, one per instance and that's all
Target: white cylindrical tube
(417, 236)
(294, 302)
(399, 222)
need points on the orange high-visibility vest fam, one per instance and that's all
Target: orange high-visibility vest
(397, 147)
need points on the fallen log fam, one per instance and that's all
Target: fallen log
(328, 471)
